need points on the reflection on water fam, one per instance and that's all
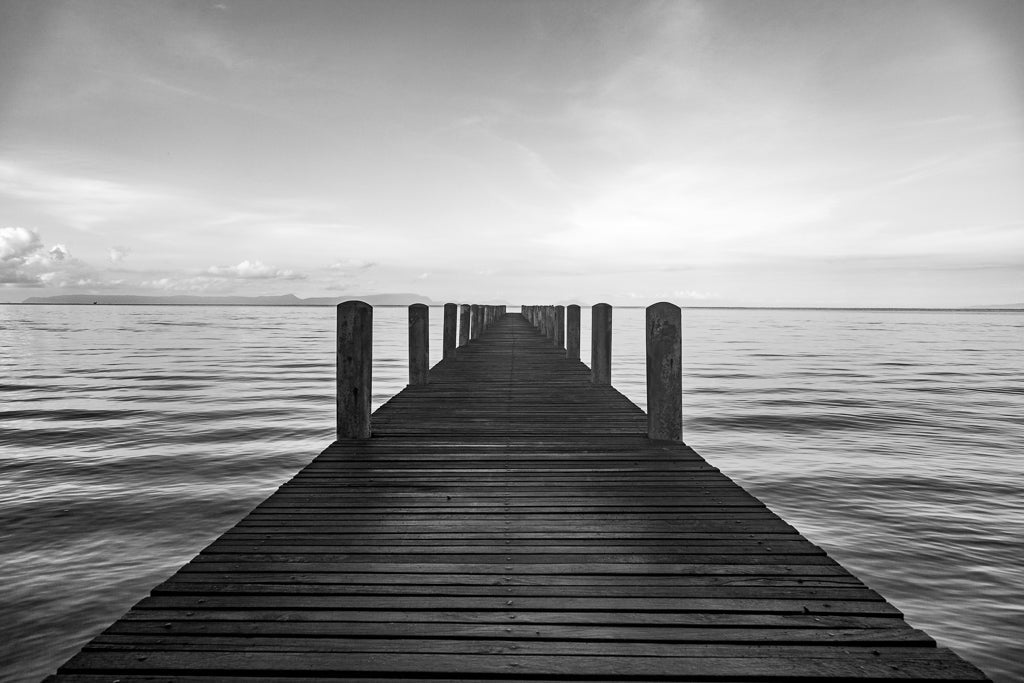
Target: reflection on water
(130, 437)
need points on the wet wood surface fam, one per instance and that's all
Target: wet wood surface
(510, 520)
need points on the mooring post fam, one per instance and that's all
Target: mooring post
(451, 323)
(463, 324)
(474, 325)
(355, 369)
(549, 323)
(601, 344)
(572, 332)
(560, 326)
(419, 344)
(664, 372)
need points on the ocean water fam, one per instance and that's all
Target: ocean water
(130, 437)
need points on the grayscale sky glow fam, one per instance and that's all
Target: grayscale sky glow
(741, 153)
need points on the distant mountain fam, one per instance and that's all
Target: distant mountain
(397, 299)
(1001, 307)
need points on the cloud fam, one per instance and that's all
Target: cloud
(658, 212)
(18, 246)
(351, 264)
(25, 261)
(59, 252)
(79, 201)
(195, 284)
(254, 270)
(17, 243)
(220, 278)
(118, 254)
(693, 295)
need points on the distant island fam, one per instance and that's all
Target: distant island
(397, 299)
(1002, 306)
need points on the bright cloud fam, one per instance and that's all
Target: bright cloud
(82, 202)
(17, 243)
(17, 246)
(254, 270)
(25, 261)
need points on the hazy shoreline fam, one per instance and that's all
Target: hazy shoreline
(1011, 308)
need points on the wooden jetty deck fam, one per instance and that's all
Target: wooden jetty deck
(510, 520)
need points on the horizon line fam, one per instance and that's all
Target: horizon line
(992, 308)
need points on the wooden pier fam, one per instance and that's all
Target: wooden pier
(509, 519)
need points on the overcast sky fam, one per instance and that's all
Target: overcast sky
(738, 153)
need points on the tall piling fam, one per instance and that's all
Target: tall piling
(451, 321)
(601, 344)
(572, 332)
(664, 372)
(476, 320)
(419, 344)
(463, 324)
(354, 369)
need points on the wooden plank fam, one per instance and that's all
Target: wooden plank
(427, 603)
(526, 647)
(619, 633)
(509, 618)
(845, 663)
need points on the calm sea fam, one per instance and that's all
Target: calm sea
(130, 437)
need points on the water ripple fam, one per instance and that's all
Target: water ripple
(130, 437)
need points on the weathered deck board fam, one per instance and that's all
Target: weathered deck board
(510, 520)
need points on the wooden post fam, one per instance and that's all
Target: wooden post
(451, 322)
(601, 344)
(474, 325)
(572, 332)
(419, 344)
(664, 372)
(560, 326)
(463, 324)
(549, 323)
(355, 369)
